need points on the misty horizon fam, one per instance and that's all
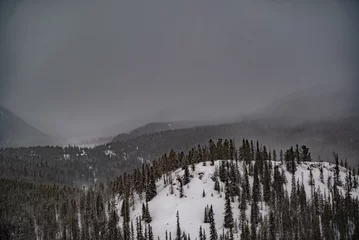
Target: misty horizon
(76, 69)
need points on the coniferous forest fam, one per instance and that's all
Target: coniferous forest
(262, 193)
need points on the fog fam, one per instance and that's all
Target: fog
(72, 68)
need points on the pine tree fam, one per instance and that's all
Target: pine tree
(150, 233)
(217, 186)
(311, 180)
(355, 180)
(337, 180)
(151, 191)
(305, 154)
(228, 214)
(255, 198)
(321, 176)
(178, 231)
(206, 217)
(245, 232)
(272, 227)
(203, 194)
(181, 190)
(222, 172)
(212, 151)
(139, 232)
(266, 183)
(293, 194)
(146, 213)
(213, 230)
(243, 207)
(186, 178)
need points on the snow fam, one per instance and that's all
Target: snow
(67, 156)
(141, 159)
(83, 153)
(164, 206)
(109, 153)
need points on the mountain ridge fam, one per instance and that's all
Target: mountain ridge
(14, 131)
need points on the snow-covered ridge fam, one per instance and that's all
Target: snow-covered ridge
(164, 206)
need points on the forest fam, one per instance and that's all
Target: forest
(248, 176)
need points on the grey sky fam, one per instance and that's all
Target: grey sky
(77, 66)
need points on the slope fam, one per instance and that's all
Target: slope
(154, 127)
(164, 206)
(14, 131)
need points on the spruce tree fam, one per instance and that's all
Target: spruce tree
(272, 227)
(186, 178)
(206, 217)
(151, 191)
(311, 180)
(217, 186)
(321, 176)
(178, 231)
(150, 233)
(181, 190)
(213, 230)
(337, 180)
(228, 214)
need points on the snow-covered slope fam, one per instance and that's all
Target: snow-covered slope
(164, 206)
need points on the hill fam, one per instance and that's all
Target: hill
(14, 131)
(323, 136)
(191, 207)
(154, 127)
(287, 196)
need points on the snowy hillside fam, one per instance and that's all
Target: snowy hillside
(164, 206)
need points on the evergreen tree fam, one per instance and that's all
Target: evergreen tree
(146, 213)
(213, 230)
(228, 214)
(178, 231)
(337, 180)
(217, 186)
(212, 151)
(181, 190)
(186, 178)
(255, 198)
(150, 233)
(311, 180)
(206, 217)
(321, 176)
(151, 191)
(305, 154)
(272, 227)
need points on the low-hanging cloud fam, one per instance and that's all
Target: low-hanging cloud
(76, 66)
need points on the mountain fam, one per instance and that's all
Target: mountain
(154, 127)
(14, 131)
(323, 137)
(314, 104)
(200, 192)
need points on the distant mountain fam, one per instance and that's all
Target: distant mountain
(14, 131)
(154, 127)
(315, 104)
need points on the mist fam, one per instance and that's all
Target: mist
(74, 68)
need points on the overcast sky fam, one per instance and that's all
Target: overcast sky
(70, 67)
